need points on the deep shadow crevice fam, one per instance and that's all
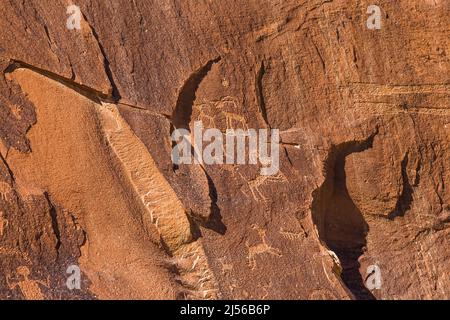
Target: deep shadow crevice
(107, 65)
(181, 116)
(340, 224)
(260, 93)
(214, 221)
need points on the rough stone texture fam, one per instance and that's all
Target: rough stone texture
(86, 176)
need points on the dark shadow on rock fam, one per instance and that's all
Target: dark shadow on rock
(214, 221)
(181, 116)
(341, 225)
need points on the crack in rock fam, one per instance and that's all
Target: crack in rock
(340, 224)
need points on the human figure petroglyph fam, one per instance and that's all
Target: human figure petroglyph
(5, 191)
(256, 183)
(29, 288)
(260, 248)
(3, 223)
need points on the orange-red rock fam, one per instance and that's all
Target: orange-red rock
(86, 176)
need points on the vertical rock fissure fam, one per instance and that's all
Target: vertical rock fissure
(115, 91)
(181, 115)
(260, 93)
(340, 224)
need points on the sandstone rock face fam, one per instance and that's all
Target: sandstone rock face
(87, 179)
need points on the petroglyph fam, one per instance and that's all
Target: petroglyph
(208, 121)
(255, 185)
(188, 262)
(6, 191)
(29, 288)
(3, 223)
(226, 267)
(155, 192)
(233, 118)
(290, 235)
(260, 248)
(337, 267)
(226, 108)
(229, 108)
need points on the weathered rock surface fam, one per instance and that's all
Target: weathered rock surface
(86, 176)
